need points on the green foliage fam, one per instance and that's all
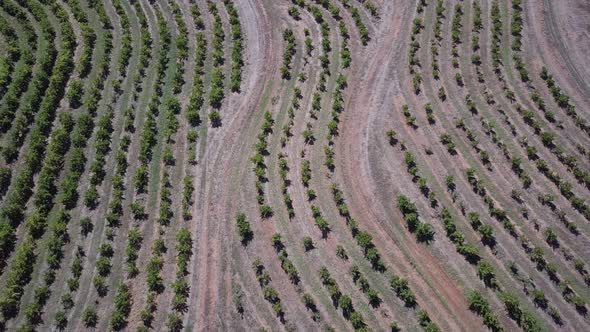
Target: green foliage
(61, 320)
(447, 141)
(307, 243)
(154, 280)
(401, 288)
(486, 273)
(424, 231)
(5, 177)
(487, 235)
(122, 302)
(174, 322)
(345, 303)
(75, 92)
(134, 240)
(305, 172)
(539, 298)
(362, 28)
(18, 277)
(244, 228)
(523, 318)
(426, 322)
(266, 211)
(289, 53)
(90, 317)
(270, 294)
(341, 252)
(294, 12)
(86, 226)
(215, 119)
(237, 48)
(216, 94)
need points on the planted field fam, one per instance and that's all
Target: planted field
(298, 165)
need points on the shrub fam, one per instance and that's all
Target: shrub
(308, 243)
(174, 322)
(244, 228)
(90, 317)
(341, 252)
(5, 176)
(86, 226)
(266, 211)
(424, 232)
(487, 235)
(392, 135)
(356, 319)
(91, 197)
(215, 119)
(122, 302)
(61, 320)
(551, 238)
(345, 303)
(75, 92)
(403, 291)
(486, 273)
(426, 322)
(539, 298)
(374, 298)
(294, 12)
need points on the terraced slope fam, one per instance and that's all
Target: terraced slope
(296, 165)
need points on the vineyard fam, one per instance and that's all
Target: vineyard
(294, 165)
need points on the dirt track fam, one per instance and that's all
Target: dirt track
(225, 148)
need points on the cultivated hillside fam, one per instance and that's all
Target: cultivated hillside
(294, 165)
